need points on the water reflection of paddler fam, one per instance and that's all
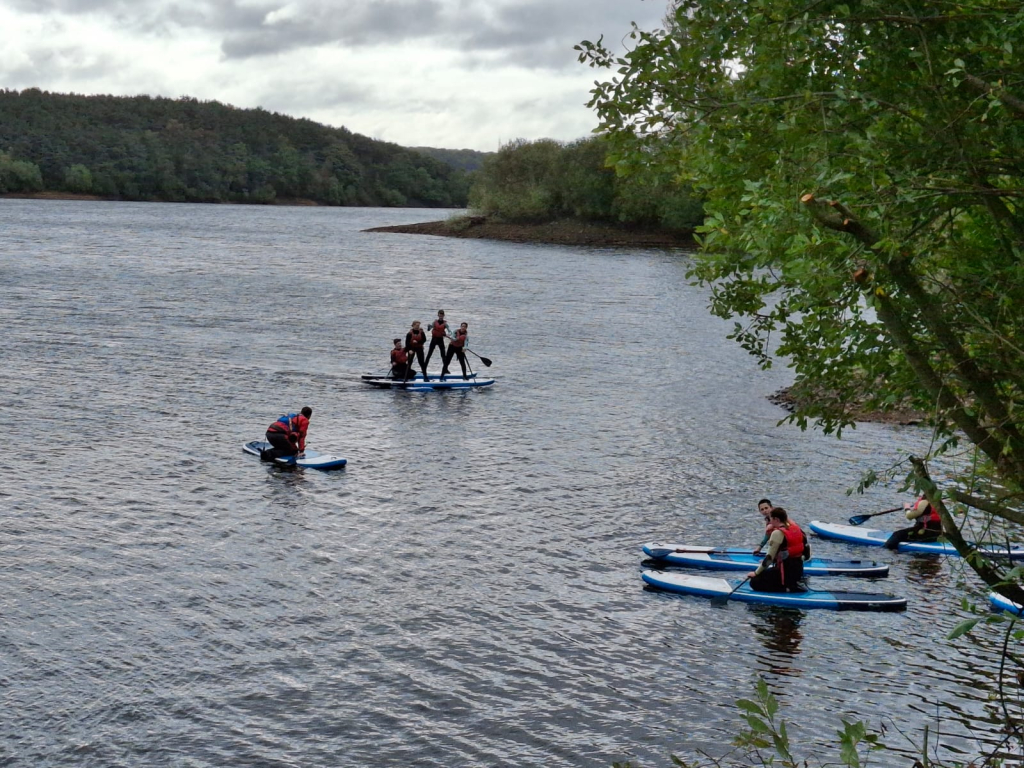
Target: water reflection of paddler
(783, 564)
(779, 631)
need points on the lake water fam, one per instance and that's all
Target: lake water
(467, 591)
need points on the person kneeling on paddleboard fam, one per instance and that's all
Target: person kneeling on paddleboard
(783, 565)
(927, 525)
(399, 361)
(288, 435)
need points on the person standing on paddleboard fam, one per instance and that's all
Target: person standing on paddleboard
(764, 508)
(287, 435)
(783, 564)
(399, 361)
(414, 341)
(438, 333)
(927, 525)
(456, 347)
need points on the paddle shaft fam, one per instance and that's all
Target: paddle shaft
(722, 599)
(485, 360)
(859, 519)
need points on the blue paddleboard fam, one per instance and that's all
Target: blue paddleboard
(1001, 603)
(736, 559)
(707, 586)
(312, 459)
(873, 537)
(417, 384)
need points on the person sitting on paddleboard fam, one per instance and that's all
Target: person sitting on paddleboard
(458, 344)
(783, 565)
(438, 333)
(764, 508)
(414, 341)
(399, 361)
(287, 435)
(927, 525)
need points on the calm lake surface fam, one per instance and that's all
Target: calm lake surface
(467, 591)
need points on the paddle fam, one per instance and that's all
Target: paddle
(723, 599)
(485, 360)
(859, 519)
(659, 552)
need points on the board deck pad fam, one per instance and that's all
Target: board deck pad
(311, 459)
(855, 534)
(704, 586)
(737, 559)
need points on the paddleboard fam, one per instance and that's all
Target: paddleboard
(311, 459)
(855, 534)
(418, 384)
(734, 559)
(1001, 603)
(706, 586)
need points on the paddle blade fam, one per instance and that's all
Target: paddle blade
(660, 552)
(486, 361)
(860, 519)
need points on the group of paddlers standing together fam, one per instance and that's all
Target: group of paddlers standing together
(404, 354)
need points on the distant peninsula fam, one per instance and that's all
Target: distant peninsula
(561, 232)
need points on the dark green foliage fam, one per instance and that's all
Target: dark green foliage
(545, 180)
(143, 148)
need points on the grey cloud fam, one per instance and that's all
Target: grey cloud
(48, 64)
(312, 96)
(354, 24)
(537, 34)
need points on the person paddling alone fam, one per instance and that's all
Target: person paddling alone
(783, 565)
(414, 341)
(927, 525)
(456, 347)
(287, 435)
(438, 333)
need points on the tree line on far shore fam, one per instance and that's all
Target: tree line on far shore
(546, 180)
(186, 150)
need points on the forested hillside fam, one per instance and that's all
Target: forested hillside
(144, 148)
(466, 159)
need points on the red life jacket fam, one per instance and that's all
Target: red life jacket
(437, 329)
(416, 339)
(930, 519)
(399, 357)
(294, 425)
(460, 338)
(794, 545)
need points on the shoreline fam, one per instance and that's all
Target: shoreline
(784, 398)
(564, 232)
(80, 196)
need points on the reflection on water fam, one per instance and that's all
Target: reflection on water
(778, 629)
(464, 593)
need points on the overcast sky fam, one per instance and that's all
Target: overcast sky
(443, 73)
